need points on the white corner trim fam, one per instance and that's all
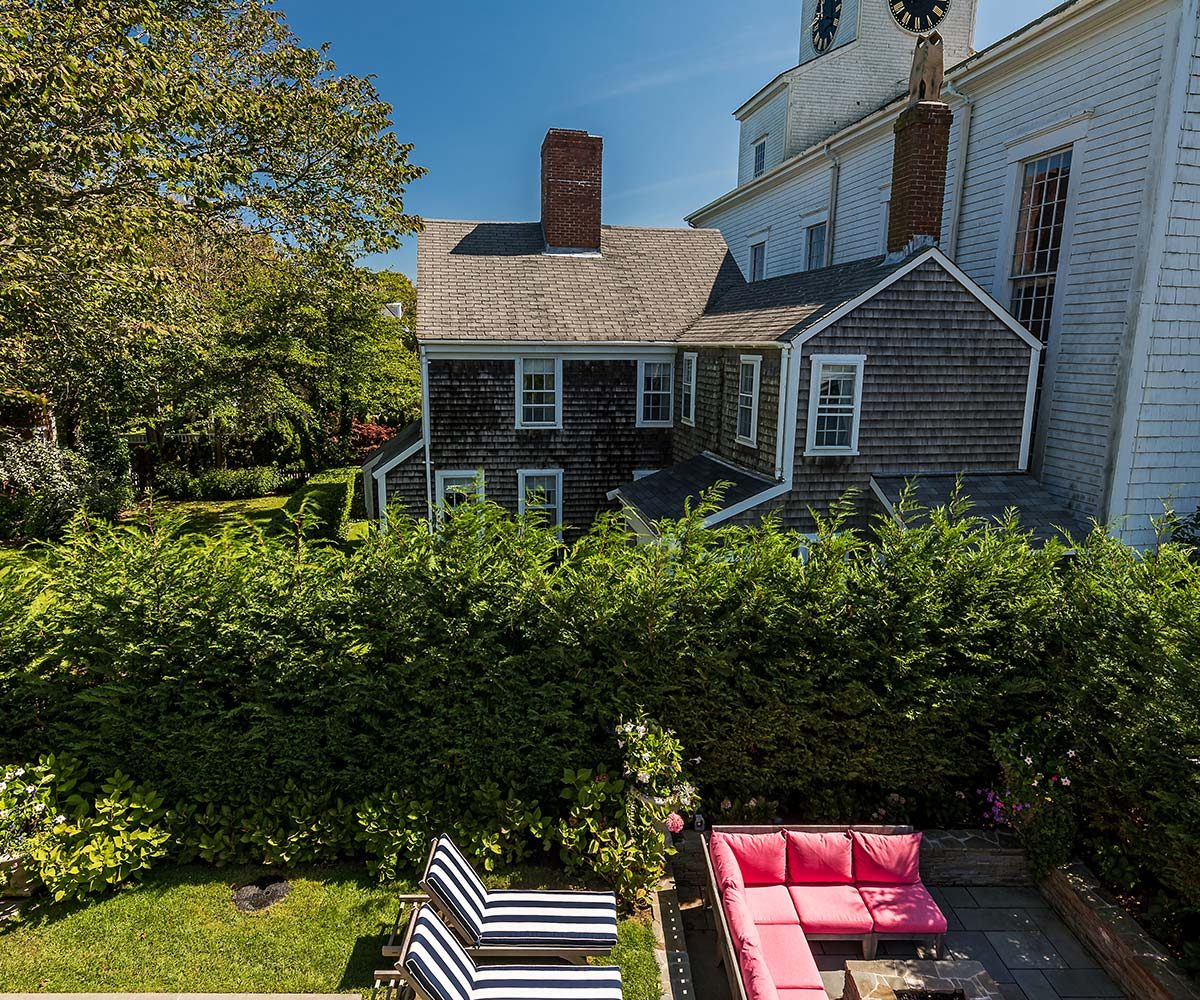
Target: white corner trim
(887, 504)
(426, 434)
(817, 362)
(1035, 357)
(785, 371)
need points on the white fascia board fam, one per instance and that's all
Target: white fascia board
(382, 470)
(887, 504)
(576, 351)
(748, 504)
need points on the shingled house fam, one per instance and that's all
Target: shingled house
(571, 366)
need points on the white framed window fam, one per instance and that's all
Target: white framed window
(885, 215)
(540, 490)
(687, 391)
(814, 245)
(539, 392)
(758, 260)
(455, 487)
(749, 371)
(834, 404)
(1041, 219)
(655, 393)
(760, 157)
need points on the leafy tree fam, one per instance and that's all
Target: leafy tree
(129, 124)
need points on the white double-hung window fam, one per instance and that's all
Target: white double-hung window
(749, 371)
(655, 391)
(456, 487)
(687, 391)
(539, 492)
(835, 404)
(539, 392)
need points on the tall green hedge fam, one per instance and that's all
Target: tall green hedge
(327, 500)
(845, 678)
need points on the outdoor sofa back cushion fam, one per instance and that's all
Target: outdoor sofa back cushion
(887, 859)
(819, 858)
(725, 866)
(756, 977)
(761, 857)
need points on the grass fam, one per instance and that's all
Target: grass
(208, 517)
(179, 932)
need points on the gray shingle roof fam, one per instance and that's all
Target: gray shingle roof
(405, 439)
(991, 495)
(664, 494)
(492, 280)
(784, 307)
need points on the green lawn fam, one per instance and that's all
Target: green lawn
(208, 517)
(178, 931)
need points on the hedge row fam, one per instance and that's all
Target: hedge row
(327, 498)
(848, 679)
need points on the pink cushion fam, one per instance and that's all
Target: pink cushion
(737, 915)
(830, 909)
(756, 976)
(818, 858)
(812, 993)
(761, 857)
(725, 866)
(892, 859)
(789, 957)
(771, 904)
(903, 909)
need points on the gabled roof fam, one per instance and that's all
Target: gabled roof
(781, 308)
(408, 437)
(494, 281)
(665, 493)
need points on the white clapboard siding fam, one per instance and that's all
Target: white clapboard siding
(1165, 464)
(768, 120)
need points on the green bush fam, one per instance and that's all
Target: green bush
(447, 681)
(324, 504)
(238, 484)
(175, 483)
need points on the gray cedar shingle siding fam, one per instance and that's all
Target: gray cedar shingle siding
(472, 418)
(717, 371)
(406, 485)
(943, 391)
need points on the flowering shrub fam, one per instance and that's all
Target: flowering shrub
(756, 809)
(25, 810)
(614, 826)
(1036, 798)
(41, 486)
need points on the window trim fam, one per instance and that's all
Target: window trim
(760, 142)
(641, 393)
(519, 393)
(818, 362)
(522, 492)
(750, 269)
(755, 361)
(687, 400)
(440, 476)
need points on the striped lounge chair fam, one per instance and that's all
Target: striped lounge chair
(437, 967)
(513, 923)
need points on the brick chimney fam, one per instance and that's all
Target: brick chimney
(571, 166)
(919, 157)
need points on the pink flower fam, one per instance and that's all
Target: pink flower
(675, 823)
(1066, 782)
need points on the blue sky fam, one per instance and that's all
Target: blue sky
(475, 86)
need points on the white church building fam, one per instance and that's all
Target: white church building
(1072, 195)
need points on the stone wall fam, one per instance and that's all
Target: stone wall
(1134, 960)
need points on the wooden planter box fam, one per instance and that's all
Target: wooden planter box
(15, 882)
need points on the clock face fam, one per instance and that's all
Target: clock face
(919, 16)
(825, 22)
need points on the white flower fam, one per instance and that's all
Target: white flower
(39, 807)
(30, 789)
(1028, 760)
(643, 777)
(19, 773)
(1066, 782)
(60, 818)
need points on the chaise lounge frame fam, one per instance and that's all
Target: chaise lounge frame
(727, 955)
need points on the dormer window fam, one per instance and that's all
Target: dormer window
(760, 157)
(539, 393)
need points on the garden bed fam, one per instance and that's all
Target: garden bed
(180, 931)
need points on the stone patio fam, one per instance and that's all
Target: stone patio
(1012, 932)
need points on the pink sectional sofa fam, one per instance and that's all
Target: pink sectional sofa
(775, 889)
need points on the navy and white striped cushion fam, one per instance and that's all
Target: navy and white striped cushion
(455, 887)
(547, 982)
(518, 919)
(436, 962)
